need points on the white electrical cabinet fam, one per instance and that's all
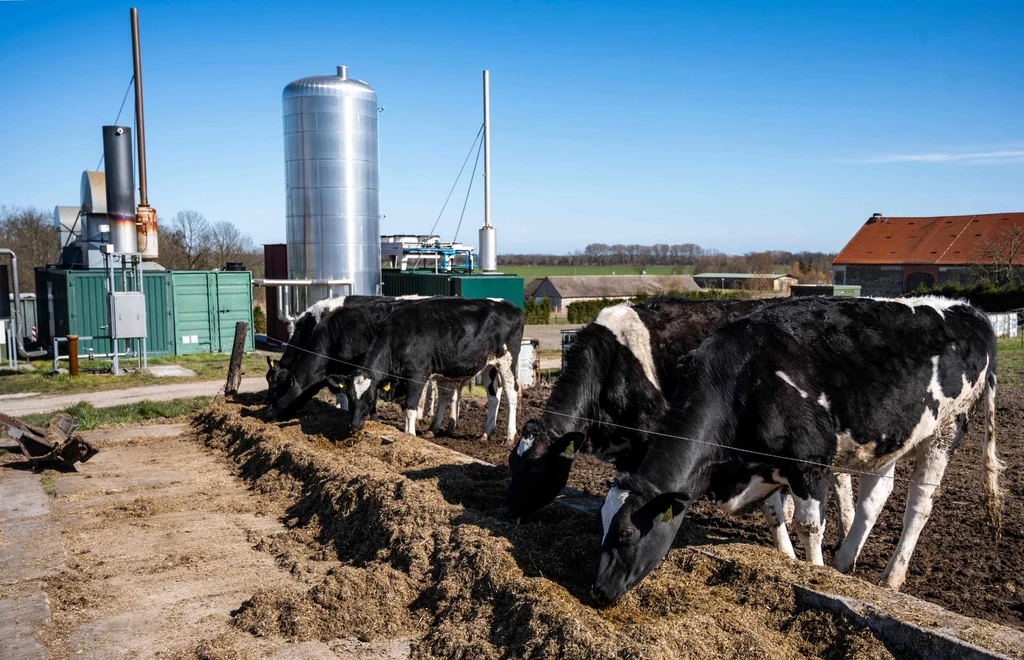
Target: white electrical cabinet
(128, 315)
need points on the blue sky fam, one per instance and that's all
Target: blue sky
(738, 126)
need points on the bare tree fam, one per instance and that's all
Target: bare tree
(1002, 257)
(30, 233)
(229, 244)
(190, 242)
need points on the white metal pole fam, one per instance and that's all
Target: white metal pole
(487, 148)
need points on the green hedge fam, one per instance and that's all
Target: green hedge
(537, 313)
(984, 295)
(586, 311)
(259, 320)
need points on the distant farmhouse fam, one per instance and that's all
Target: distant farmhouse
(779, 281)
(890, 256)
(563, 290)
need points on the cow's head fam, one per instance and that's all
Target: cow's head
(285, 394)
(638, 532)
(539, 468)
(364, 388)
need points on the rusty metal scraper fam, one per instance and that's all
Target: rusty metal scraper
(57, 442)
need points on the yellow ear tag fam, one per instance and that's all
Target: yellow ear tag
(667, 516)
(273, 363)
(570, 450)
(387, 387)
(341, 386)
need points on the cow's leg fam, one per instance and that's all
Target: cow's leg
(871, 497)
(928, 471)
(453, 407)
(809, 518)
(510, 385)
(842, 485)
(442, 397)
(773, 510)
(413, 396)
(493, 400)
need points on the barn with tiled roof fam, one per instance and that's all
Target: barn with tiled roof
(889, 256)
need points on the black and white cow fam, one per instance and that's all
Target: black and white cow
(326, 354)
(279, 370)
(780, 397)
(448, 340)
(619, 374)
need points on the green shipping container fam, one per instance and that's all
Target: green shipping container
(505, 287)
(191, 304)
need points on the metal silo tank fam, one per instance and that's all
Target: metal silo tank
(331, 183)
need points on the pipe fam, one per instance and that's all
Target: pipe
(140, 124)
(263, 282)
(343, 72)
(487, 148)
(19, 342)
(73, 355)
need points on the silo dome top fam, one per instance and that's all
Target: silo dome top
(337, 85)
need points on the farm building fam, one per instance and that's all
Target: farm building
(567, 289)
(889, 256)
(779, 281)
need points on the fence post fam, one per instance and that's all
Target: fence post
(73, 355)
(235, 366)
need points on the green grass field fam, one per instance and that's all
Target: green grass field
(89, 417)
(529, 273)
(1011, 361)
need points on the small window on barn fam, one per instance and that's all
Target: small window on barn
(888, 236)
(978, 235)
(892, 253)
(934, 252)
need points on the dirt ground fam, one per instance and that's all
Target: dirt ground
(956, 563)
(162, 544)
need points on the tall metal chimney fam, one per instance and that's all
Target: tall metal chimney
(120, 184)
(145, 216)
(488, 236)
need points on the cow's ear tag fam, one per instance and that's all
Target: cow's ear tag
(667, 516)
(387, 387)
(571, 449)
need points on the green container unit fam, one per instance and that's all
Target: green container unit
(842, 290)
(404, 283)
(505, 287)
(206, 306)
(199, 304)
(74, 302)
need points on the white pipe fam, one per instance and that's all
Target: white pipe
(487, 148)
(18, 341)
(262, 282)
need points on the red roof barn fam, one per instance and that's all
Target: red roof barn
(889, 256)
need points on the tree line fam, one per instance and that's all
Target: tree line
(188, 241)
(809, 267)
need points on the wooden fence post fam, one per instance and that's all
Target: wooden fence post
(235, 366)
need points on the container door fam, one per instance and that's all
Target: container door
(159, 314)
(234, 303)
(193, 330)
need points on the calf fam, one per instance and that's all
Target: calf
(447, 339)
(619, 374)
(783, 395)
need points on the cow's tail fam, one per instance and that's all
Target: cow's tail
(993, 493)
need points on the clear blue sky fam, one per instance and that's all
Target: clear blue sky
(733, 125)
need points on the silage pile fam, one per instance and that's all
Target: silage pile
(424, 554)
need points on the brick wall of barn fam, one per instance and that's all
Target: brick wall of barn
(876, 280)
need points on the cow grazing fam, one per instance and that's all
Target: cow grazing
(325, 354)
(619, 373)
(780, 396)
(278, 370)
(449, 340)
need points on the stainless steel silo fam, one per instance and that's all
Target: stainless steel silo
(331, 182)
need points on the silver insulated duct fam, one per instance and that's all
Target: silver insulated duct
(331, 183)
